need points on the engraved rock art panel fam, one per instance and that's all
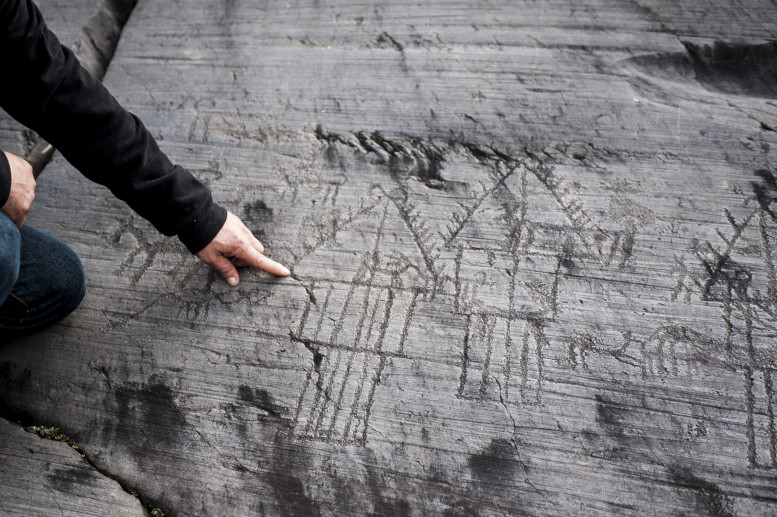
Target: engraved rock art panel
(526, 263)
(503, 286)
(410, 229)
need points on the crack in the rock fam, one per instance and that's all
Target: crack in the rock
(308, 289)
(311, 346)
(521, 463)
(95, 48)
(55, 433)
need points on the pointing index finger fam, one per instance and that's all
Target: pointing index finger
(256, 259)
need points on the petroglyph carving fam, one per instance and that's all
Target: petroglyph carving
(504, 287)
(352, 328)
(502, 361)
(735, 276)
(189, 286)
(506, 291)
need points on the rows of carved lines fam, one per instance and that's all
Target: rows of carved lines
(325, 385)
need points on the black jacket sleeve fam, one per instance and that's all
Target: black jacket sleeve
(5, 179)
(44, 87)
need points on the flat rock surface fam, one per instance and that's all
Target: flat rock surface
(45, 477)
(532, 251)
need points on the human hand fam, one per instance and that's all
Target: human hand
(17, 208)
(235, 246)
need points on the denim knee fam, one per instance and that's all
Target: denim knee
(50, 284)
(73, 282)
(61, 283)
(9, 256)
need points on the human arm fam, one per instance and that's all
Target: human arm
(17, 188)
(47, 90)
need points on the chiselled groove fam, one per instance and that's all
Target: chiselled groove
(151, 250)
(420, 238)
(713, 268)
(524, 360)
(659, 356)
(770, 410)
(336, 376)
(465, 358)
(377, 350)
(535, 331)
(374, 381)
(460, 221)
(507, 364)
(306, 311)
(323, 313)
(305, 385)
(457, 279)
(750, 431)
(404, 155)
(321, 392)
(487, 338)
(766, 249)
(406, 320)
(752, 367)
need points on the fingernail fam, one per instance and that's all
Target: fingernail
(286, 271)
(232, 281)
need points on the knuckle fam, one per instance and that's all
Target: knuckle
(223, 268)
(257, 257)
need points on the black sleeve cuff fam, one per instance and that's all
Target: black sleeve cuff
(203, 229)
(5, 179)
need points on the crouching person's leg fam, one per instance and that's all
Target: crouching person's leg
(9, 256)
(49, 286)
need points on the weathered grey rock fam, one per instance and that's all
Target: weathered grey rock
(532, 251)
(45, 477)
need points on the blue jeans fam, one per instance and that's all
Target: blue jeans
(41, 279)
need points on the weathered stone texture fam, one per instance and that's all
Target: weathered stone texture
(533, 263)
(43, 477)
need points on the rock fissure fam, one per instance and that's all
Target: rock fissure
(25, 421)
